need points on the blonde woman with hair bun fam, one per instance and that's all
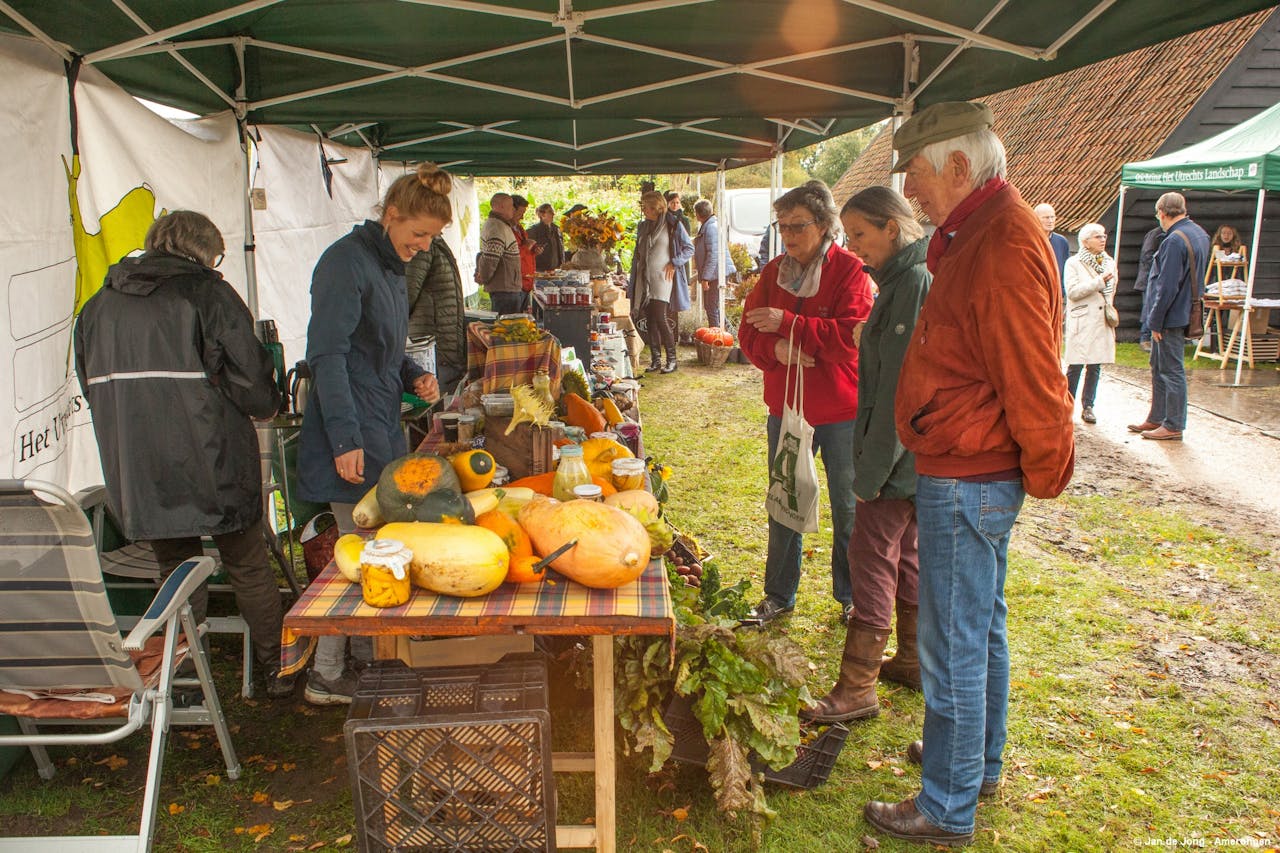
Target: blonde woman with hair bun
(355, 348)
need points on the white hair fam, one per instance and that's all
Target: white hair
(1093, 229)
(982, 148)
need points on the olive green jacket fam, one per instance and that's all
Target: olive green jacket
(436, 308)
(882, 466)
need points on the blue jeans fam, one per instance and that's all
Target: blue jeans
(1092, 373)
(1169, 380)
(782, 564)
(964, 648)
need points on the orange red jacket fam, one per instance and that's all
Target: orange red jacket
(981, 389)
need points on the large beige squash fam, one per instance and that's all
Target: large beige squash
(452, 559)
(612, 549)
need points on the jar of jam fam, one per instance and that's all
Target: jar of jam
(627, 474)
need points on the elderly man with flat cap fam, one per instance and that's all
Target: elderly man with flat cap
(983, 404)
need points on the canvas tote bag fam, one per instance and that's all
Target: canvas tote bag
(793, 477)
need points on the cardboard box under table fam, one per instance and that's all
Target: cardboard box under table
(331, 605)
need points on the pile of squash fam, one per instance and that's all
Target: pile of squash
(467, 543)
(714, 336)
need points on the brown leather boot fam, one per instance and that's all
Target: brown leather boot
(904, 667)
(854, 696)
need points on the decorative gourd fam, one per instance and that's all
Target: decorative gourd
(540, 483)
(612, 547)
(367, 514)
(452, 559)
(518, 545)
(580, 413)
(637, 499)
(346, 554)
(422, 487)
(474, 468)
(612, 413)
(599, 454)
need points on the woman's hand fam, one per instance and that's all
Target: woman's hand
(427, 388)
(786, 355)
(669, 271)
(350, 465)
(857, 333)
(765, 319)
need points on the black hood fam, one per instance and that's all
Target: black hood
(143, 274)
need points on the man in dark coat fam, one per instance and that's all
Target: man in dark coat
(174, 375)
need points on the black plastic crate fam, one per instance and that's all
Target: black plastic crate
(453, 782)
(392, 689)
(814, 760)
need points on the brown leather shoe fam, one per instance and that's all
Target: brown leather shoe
(904, 667)
(1162, 434)
(915, 754)
(1142, 427)
(901, 820)
(854, 696)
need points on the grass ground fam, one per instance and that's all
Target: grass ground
(1146, 675)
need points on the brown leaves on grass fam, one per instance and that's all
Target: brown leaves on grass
(113, 762)
(176, 808)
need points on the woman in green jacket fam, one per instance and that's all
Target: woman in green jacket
(884, 568)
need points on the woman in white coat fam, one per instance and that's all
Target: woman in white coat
(1090, 279)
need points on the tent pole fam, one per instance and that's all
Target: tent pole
(246, 145)
(1115, 255)
(775, 189)
(1248, 290)
(721, 245)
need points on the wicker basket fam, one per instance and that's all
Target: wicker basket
(712, 356)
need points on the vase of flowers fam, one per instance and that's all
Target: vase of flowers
(590, 236)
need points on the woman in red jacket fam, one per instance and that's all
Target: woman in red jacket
(820, 291)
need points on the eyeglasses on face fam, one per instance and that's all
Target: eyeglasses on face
(217, 262)
(792, 227)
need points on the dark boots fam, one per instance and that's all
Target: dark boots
(655, 360)
(854, 696)
(671, 362)
(904, 667)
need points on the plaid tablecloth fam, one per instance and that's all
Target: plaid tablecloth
(504, 365)
(643, 606)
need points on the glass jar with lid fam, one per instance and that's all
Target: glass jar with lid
(384, 572)
(572, 471)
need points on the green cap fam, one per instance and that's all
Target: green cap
(936, 123)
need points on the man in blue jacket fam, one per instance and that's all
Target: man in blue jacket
(706, 257)
(1176, 272)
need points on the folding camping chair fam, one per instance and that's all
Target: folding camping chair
(64, 663)
(132, 562)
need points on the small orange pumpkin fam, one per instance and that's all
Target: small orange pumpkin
(520, 569)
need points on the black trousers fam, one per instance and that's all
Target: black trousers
(245, 559)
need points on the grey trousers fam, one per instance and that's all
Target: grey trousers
(331, 650)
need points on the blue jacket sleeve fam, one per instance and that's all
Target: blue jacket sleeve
(1167, 270)
(336, 307)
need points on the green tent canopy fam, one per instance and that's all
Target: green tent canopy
(589, 86)
(1246, 157)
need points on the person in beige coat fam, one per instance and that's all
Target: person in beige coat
(1090, 280)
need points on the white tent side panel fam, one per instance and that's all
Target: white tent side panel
(302, 219)
(40, 408)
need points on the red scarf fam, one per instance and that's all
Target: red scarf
(941, 239)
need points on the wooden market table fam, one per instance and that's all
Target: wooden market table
(331, 605)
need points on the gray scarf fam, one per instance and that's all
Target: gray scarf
(804, 280)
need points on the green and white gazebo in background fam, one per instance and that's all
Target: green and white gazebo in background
(1245, 158)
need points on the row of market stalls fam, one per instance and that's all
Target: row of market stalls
(1243, 159)
(336, 96)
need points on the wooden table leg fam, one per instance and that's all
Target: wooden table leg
(605, 748)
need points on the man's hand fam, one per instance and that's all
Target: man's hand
(427, 388)
(350, 465)
(669, 272)
(538, 248)
(786, 355)
(1157, 336)
(765, 319)
(706, 284)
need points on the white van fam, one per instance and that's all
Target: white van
(745, 216)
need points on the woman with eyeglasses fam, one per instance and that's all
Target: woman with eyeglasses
(174, 376)
(1090, 280)
(816, 293)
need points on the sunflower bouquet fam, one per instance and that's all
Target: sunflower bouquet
(586, 231)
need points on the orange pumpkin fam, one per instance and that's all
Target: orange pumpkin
(701, 334)
(518, 545)
(720, 338)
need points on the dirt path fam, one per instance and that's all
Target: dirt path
(1223, 468)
